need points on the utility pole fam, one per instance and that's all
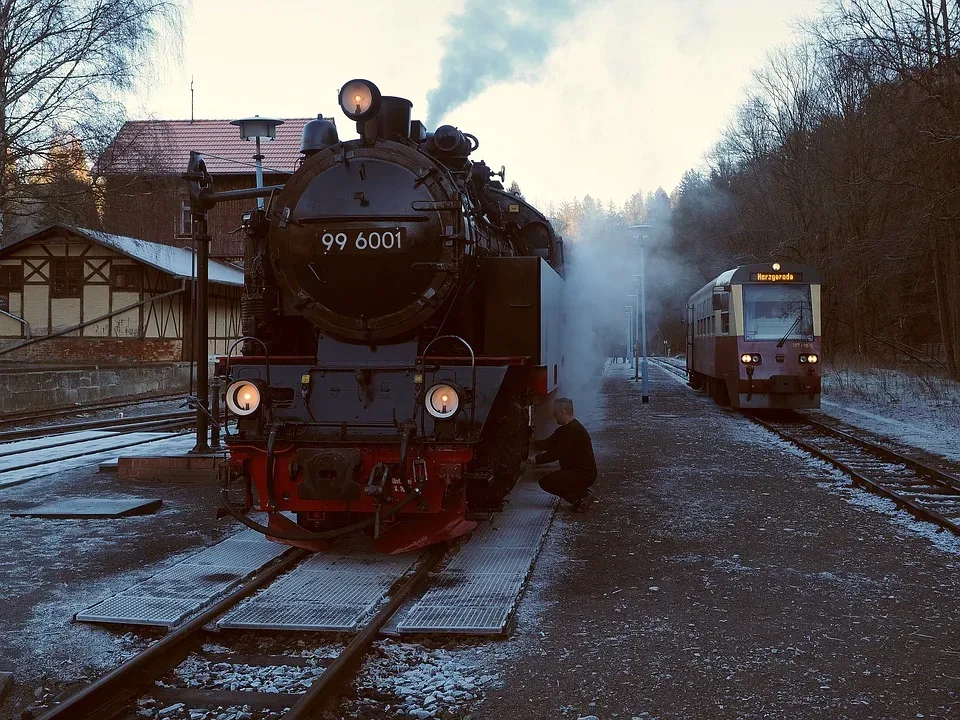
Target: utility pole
(643, 232)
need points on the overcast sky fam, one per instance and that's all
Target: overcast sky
(606, 97)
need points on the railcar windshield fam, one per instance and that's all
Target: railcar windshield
(777, 312)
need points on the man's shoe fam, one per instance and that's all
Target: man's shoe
(583, 503)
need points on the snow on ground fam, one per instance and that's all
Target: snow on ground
(917, 410)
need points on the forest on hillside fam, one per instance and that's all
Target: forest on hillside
(845, 155)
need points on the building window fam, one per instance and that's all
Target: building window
(66, 278)
(126, 278)
(11, 280)
(185, 226)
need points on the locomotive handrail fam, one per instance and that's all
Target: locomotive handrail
(421, 362)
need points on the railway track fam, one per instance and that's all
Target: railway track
(115, 694)
(56, 448)
(134, 424)
(670, 365)
(926, 492)
(40, 415)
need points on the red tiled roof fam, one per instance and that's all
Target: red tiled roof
(152, 147)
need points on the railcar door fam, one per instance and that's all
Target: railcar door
(690, 346)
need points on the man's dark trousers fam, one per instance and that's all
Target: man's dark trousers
(568, 484)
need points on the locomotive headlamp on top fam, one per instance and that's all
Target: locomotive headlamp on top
(443, 401)
(244, 397)
(360, 99)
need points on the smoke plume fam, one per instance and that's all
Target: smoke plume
(492, 41)
(602, 271)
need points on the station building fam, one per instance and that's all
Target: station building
(144, 195)
(61, 288)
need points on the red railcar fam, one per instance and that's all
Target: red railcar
(753, 337)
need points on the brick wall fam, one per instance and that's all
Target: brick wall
(93, 350)
(23, 391)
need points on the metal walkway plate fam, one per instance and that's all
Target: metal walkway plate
(477, 592)
(165, 599)
(331, 592)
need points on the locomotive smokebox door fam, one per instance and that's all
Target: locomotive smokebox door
(329, 474)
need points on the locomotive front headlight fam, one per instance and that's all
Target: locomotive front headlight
(360, 99)
(243, 397)
(443, 401)
(803, 359)
(745, 358)
(755, 359)
(812, 359)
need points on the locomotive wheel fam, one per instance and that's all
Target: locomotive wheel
(502, 453)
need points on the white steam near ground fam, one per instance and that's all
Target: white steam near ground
(602, 262)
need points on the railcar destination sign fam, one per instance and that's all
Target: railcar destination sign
(776, 277)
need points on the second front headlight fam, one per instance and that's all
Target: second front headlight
(442, 401)
(243, 397)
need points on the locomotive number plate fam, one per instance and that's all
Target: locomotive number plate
(363, 240)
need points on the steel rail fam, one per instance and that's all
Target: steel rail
(122, 424)
(93, 451)
(933, 473)
(324, 689)
(108, 433)
(108, 696)
(13, 418)
(669, 366)
(948, 482)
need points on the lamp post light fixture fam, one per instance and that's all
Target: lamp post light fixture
(643, 234)
(258, 128)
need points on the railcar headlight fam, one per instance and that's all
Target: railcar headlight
(443, 401)
(811, 358)
(745, 358)
(755, 359)
(360, 99)
(243, 397)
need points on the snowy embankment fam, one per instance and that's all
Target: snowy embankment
(922, 411)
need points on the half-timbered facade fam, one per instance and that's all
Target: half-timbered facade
(72, 294)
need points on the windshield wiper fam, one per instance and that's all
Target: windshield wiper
(795, 324)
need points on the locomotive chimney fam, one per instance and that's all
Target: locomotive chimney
(394, 117)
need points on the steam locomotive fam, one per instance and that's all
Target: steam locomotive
(402, 321)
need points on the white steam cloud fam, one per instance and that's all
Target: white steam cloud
(603, 262)
(491, 41)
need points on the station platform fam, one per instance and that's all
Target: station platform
(722, 573)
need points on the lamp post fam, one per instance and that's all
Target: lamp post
(253, 128)
(632, 301)
(643, 233)
(258, 128)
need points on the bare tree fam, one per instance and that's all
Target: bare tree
(63, 67)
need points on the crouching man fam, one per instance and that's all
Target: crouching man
(570, 445)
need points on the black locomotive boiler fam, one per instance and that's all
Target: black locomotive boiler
(402, 315)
